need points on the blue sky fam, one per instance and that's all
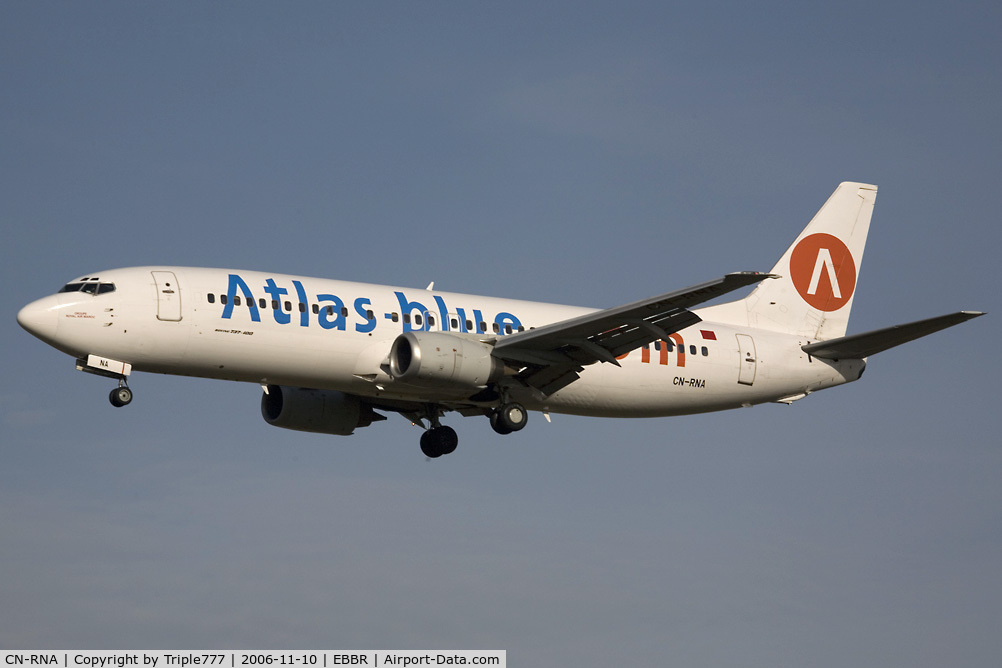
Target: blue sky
(581, 153)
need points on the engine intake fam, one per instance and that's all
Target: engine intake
(318, 411)
(437, 359)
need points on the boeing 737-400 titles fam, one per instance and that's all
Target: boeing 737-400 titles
(334, 356)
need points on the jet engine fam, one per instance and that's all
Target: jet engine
(440, 360)
(318, 411)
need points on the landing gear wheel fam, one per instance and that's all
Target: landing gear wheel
(511, 416)
(439, 441)
(429, 446)
(120, 396)
(497, 426)
(448, 440)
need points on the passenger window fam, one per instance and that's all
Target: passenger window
(521, 328)
(469, 324)
(274, 304)
(316, 309)
(704, 351)
(668, 346)
(330, 310)
(431, 320)
(262, 302)
(455, 323)
(507, 329)
(288, 306)
(212, 298)
(417, 319)
(692, 350)
(344, 311)
(222, 299)
(236, 300)
(369, 315)
(497, 327)
(302, 307)
(407, 318)
(394, 317)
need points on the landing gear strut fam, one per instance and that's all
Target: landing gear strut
(121, 395)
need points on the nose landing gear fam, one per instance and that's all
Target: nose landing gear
(109, 368)
(121, 395)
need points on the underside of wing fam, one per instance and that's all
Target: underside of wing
(552, 357)
(858, 346)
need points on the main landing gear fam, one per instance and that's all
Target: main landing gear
(121, 395)
(437, 440)
(508, 417)
(440, 440)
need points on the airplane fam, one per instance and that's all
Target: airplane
(333, 356)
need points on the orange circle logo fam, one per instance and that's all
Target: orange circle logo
(823, 271)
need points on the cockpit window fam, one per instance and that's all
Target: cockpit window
(89, 288)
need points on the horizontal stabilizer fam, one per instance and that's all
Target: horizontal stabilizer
(862, 345)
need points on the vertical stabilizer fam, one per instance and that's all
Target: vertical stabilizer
(818, 273)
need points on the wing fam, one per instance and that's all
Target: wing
(552, 356)
(858, 346)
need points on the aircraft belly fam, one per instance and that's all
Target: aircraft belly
(162, 344)
(648, 391)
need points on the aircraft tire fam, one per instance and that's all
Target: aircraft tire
(512, 416)
(439, 441)
(120, 396)
(448, 440)
(496, 424)
(429, 445)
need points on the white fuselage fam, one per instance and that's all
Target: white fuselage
(336, 335)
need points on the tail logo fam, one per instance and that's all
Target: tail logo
(823, 271)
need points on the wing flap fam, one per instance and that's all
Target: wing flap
(552, 356)
(632, 324)
(858, 346)
(552, 378)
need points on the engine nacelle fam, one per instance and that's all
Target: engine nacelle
(319, 411)
(437, 359)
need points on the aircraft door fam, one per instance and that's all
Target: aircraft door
(168, 296)
(746, 352)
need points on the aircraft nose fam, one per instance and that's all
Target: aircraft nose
(40, 318)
